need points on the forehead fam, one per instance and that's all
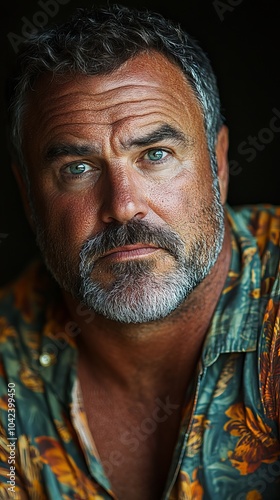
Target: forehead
(145, 91)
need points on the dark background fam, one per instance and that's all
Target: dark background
(241, 38)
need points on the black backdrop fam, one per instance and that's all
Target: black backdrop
(241, 38)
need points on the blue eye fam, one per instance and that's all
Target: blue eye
(156, 154)
(77, 168)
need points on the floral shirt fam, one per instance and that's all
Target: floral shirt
(228, 447)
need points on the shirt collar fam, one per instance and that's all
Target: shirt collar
(234, 326)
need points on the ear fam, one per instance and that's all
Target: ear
(222, 161)
(23, 189)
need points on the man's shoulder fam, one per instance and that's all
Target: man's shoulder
(24, 300)
(262, 221)
(257, 231)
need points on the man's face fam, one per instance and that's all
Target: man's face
(121, 187)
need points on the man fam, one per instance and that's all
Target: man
(143, 363)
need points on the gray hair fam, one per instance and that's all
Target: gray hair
(98, 41)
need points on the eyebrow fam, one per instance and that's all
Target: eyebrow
(163, 132)
(60, 150)
(79, 150)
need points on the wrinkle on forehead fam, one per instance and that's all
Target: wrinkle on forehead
(136, 79)
(109, 115)
(144, 88)
(138, 98)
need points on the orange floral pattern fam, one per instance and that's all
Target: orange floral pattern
(190, 488)
(67, 472)
(270, 361)
(254, 445)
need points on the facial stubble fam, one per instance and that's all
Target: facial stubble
(137, 292)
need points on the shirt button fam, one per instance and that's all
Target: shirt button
(46, 359)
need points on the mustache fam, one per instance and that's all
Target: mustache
(134, 232)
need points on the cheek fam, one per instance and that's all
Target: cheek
(67, 217)
(180, 202)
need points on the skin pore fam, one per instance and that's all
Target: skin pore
(111, 128)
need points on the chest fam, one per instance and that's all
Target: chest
(136, 447)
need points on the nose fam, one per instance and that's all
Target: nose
(123, 197)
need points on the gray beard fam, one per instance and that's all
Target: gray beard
(138, 293)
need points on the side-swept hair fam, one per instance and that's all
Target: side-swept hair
(97, 41)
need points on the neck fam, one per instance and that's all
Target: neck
(155, 353)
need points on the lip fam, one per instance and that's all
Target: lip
(130, 252)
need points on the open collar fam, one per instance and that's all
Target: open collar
(234, 326)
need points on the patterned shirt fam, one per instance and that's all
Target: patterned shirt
(228, 446)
